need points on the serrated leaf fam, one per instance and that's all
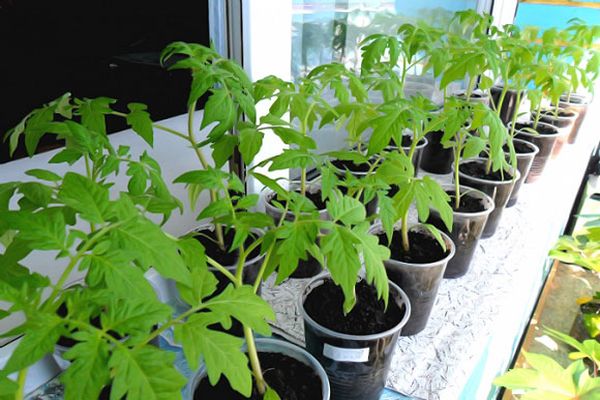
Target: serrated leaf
(293, 137)
(216, 209)
(294, 239)
(271, 394)
(37, 194)
(147, 373)
(387, 214)
(221, 352)
(292, 158)
(41, 334)
(140, 121)
(134, 314)
(88, 372)
(373, 255)
(152, 248)
(203, 282)
(244, 305)
(87, 197)
(206, 179)
(343, 262)
(223, 149)
(45, 230)
(346, 209)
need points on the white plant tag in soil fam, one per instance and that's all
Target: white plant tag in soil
(346, 355)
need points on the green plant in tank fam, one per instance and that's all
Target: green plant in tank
(582, 248)
(112, 242)
(546, 379)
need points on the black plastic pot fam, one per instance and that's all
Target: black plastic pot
(420, 281)
(524, 162)
(435, 158)
(357, 365)
(467, 228)
(509, 105)
(266, 345)
(311, 266)
(579, 104)
(544, 140)
(564, 123)
(498, 190)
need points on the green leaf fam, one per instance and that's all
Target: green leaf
(36, 193)
(88, 373)
(294, 238)
(69, 156)
(216, 209)
(45, 230)
(41, 334)
(346, 209)
(222, 353)
(115, 271)
(244, 305)
(203, 282)
(437, 235)
(207, 179)
(219, 108)
(293, 137)
(473, 147)
(250, 143)
(152, 248)
(223, 149)
(271, 394)
(147, 373)
(8, 388)
(139, 120)
(293, 158)
(374, 254)
(44, 175)
(134, 314)
(87, 197)
(343, 262)
(387, 214)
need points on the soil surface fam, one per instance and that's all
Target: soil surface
(224, 257)
(541, 129)
(315, 197)
(520, 148)
(291, 379)
(325, 305)
(423, 248)
(477, 170)
(351, 166)
(468, 204)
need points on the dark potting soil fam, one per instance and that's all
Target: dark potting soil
(468, 204)
(423, 248)
(350, 166)
(541, 129)
(223, 257)
(369, 316)
(520, 148)
(291, 379)
(477, 170)
(315, 197)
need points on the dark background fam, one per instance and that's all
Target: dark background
(93, 48)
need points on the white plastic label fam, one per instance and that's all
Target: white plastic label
(346, 355)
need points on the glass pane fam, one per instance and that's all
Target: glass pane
(324, 31)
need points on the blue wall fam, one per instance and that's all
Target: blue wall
(548, 16)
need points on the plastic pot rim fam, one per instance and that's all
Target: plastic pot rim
(540, 135)
(378, 228)
(489, 202)
(313, 364)
(527, 143)
(346, 336)
(515, 172)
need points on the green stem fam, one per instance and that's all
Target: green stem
(263, 267)
(221, 269)
(254, 361)
(169, 130)
(21, 382)
(536, 119)
(515, 115)
(405, 242)
(457, 151)
(470, 87)
(213, 193)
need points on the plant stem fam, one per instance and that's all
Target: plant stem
(405, 242)
(254, 361)
(536, 119)
(21, 382)
(470, 87)
(221, 269)
(169, 130)
(263, 267)
(205, 165)
(457, 151)
(514, 117)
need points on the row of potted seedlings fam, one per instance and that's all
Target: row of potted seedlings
(382, 273)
